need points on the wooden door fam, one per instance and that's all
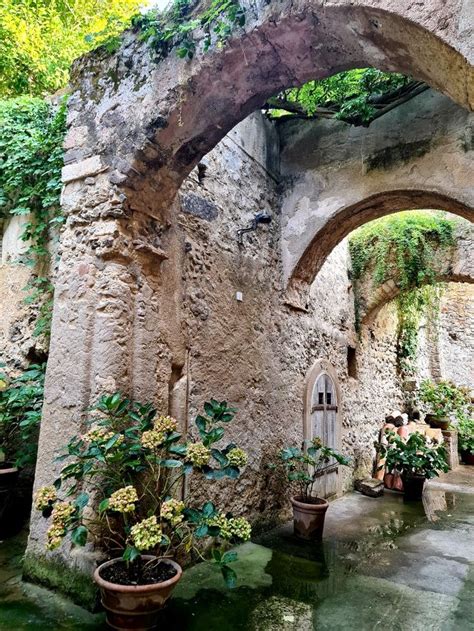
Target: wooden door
(324, 426)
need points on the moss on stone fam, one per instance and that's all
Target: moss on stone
(402, 153)
(78, 586)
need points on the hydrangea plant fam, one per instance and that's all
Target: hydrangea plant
(126, 476)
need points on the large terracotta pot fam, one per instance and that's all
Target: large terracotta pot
(467, 457)
(135, 607)
(8, 476)
(413, 486)
(309, 517)
(8, 479)
(439, 423)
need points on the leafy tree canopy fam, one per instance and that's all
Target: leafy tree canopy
(40, 38)
(356, 96)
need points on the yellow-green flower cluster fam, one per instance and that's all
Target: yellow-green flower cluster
(237, 457)
(146, 534)
(172, 510)
(97, 435)
(165, 424)
(45, 496)
(198, 454)
(61, 515)
(152, 439)
(123, 500)
(237, 527)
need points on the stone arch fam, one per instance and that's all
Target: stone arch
(163, 118)
(351, 217)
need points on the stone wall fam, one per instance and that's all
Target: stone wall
(168, 307)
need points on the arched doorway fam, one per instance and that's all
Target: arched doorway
(322, 420)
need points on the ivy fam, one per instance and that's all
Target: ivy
(403, 246)
(31, 158)
(400, 245)
(165, 30)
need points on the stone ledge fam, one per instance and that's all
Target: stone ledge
(71, 582)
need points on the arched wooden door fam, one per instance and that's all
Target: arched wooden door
(322, 421)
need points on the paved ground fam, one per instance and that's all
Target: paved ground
(384, 564)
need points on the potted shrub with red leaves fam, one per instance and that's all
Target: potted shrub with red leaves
(126, 476)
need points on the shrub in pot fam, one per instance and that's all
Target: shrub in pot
(303, 466)
(126, 476)
(416, 459)
(445, 402)
(21, 400)
(465, 429)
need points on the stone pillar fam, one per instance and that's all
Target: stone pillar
(106, 336)
(451, 442)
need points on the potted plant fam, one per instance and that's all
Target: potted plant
(126, 474)
(465, 429)
(21, 400)
(303, 466)
(445, 400)
(416, 459)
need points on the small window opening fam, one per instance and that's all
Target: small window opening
(351, 362)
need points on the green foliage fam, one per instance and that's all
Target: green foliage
(446, 400)
(21, 400)
(417, 455)
(411, 307)
(40, 38)
(135, 462)
(31, 157)
(402, 246)
(164, 30)
(352, 96)
(465, 429)
(304, 465)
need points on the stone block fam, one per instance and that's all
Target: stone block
(84, 168)
(369, 486)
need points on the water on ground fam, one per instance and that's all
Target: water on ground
(384, 564)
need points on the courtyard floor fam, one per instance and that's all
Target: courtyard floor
(384, 564)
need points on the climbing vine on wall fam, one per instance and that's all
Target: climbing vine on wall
(31, 157)
(164, 30)
(403, 246)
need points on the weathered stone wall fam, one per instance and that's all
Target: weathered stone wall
(18, 345)
(338, 177)
(447, 350)
(146, 302)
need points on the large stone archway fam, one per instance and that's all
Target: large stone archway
(142, 119)
(136, 130)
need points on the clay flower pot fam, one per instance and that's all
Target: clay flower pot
(131, 607)
(439, 423)
(413, 486)
(309, 517)
(8, 479)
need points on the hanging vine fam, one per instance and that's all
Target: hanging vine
(165, 30)
(403, 246)
(31, 157)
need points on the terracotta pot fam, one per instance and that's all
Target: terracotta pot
(440, 423)
(135, 607)
(8, 476)
(388, 480)
(309, 517)
(413, 486)
(467, 457)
